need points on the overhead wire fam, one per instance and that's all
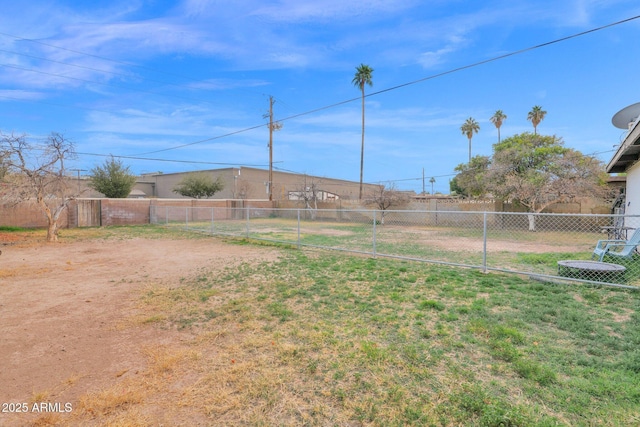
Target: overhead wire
(170, 160)
(455, 173)
(312, 111)
(413, 82)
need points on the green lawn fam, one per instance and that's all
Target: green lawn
(321, 338)
(508, 250)
(392, 343)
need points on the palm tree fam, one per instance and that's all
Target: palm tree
(432, 181)
(535, 116)
(362, 77)
(470, 127)
(497, 119)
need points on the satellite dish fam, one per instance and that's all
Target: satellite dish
(625, 117)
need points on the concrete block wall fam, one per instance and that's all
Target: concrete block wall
(169, 210)
(139, 211)
(125, 211)
(27, 215)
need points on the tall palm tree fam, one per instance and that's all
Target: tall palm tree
(497, 119)
(363, 76)
(432, 181)
(470, 127)
(535, 116)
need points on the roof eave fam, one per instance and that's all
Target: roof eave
(628, 153)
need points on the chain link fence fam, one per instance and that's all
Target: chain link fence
(559, 247)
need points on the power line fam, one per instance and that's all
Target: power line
(170, 160)
(204, 140)
(44, 148)
(476, 64)
(507, 55)
(456, 173)
(454, 70)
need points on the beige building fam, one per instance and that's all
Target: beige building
(253, 183)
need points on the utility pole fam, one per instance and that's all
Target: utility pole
(79, 170)
(272, 127)
(422, 180)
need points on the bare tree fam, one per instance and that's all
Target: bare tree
(39, 174)
(309, 192)
(243, 190)
(385, 197)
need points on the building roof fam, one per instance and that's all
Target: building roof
(629, 151)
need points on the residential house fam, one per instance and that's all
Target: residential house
(625, 160)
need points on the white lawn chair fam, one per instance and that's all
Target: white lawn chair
(617, 248)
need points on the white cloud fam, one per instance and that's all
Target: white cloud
(434, 58)
(225, 84)
(384, 119)
(187, 121)
(20, 94)
(327, 10)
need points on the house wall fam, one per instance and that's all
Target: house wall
(633, 190)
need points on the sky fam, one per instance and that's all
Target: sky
(184, 85)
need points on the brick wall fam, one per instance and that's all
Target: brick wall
(139, 211)
(168, 210)
(27, 215)
(124, 211)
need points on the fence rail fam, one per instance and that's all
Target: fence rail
(557, 247)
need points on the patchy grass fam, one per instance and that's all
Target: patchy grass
(325, 339)
(11, 228)
(16, 235)
(516, 250)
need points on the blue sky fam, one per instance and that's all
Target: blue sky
(134, 77)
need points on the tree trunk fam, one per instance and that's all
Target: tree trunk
(52, 231)
(532, 222)
(362, 146)
(52, 223)
(315, 208)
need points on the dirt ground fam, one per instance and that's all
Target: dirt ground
(61, 307)
(64, 310)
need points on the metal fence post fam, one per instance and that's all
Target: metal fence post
(298, 228)
(374, 233)
(484, 243)
(577, 233)
(247, 210)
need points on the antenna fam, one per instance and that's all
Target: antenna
(625, 118)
